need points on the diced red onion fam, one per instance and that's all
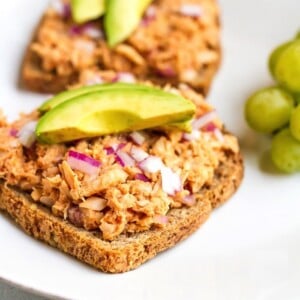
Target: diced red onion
(166, 72)
(194, 135)
(124, 159)
(189, 200)
(94, 80)
(209, 127)
(151, 164)
(171, 182)
(161, 219)
(82, 162)
(124, 77)
(93, 32)
(137, 137)
(204, 119)
(84, 45)
(75, 30)
(219, 135)
(13, 132)
(191, 10)
(63, 9)
(138, 154)
(88, 29)
(27, 135)
(109, 150)
(149, 16)
(142, 177)
(94, 203)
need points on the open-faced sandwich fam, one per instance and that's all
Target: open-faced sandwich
(115, 173)
(165, 41)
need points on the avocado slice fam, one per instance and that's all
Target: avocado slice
(87, 10)
(122, 18)
(112, 111)
(68, 95)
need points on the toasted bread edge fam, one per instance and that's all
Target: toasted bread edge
(128, 251)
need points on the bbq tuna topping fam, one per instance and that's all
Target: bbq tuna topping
(119, 183)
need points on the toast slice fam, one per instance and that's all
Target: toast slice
(123, 213)
(128, 251)
(168, 48)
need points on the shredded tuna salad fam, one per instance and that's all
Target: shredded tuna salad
(122, 192)
(177, 40)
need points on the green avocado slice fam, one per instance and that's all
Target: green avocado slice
(111, 111)
(67, 95)
(87, 10)
(122, 18)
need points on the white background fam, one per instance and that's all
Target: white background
(249, 249)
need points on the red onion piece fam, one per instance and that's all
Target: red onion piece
(194, 135)
(82, 162)
(151, 164)
(189, 200)
(142, 177)
(137, 137)
(13, 132)
(94, 80)
(63, 9)
(209, 127)
(88, 29)
(191, 10)
(124, 77)
(161, 219)
(124, 159)
(138, 154)
(27, 135)
(109, 150)
(94, 203)
(93, 32)
(204, 119)
(219, 135)
(149, 16)
(119, 146)
(166, 72)
(171, 182)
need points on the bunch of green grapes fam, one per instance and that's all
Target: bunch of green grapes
(276, 110)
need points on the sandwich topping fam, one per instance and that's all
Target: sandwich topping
(117, 183)
(174, 41)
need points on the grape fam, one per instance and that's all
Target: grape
(275, 55)
(286, 66)
(295, 123)
(297, 98)
(285, 152)
(269, 109)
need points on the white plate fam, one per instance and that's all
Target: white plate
(249, 249)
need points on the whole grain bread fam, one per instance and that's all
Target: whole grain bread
(189, 50)
(128, 251)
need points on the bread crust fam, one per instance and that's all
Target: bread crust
(128, 251)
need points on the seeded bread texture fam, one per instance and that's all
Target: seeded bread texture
(127, 252)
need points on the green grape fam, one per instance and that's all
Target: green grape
(269, 109)
(275, 55)
(286, 67)
(295, 123)
(285, 152)
(297, 98)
